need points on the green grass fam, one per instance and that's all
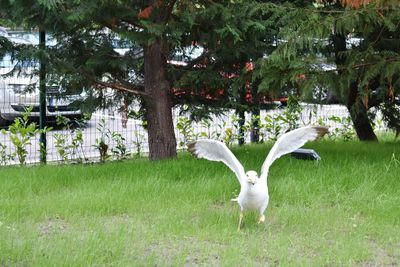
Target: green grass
(344, 210)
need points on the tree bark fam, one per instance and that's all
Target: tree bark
(242, 118)
(255, 126)
(161, 135)
(356, 108)
(359, 116)
(240, 111)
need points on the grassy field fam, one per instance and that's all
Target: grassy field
(342, 211)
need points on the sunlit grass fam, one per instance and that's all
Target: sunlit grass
(344, 210)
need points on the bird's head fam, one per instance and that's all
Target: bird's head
(252, 177)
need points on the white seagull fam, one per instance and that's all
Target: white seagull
(253, 189)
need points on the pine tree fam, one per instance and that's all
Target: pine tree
(231, 33)
(344, 46)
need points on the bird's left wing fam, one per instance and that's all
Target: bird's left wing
(217, 151)
(289, 142)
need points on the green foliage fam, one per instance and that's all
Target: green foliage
(294, 45)
(206, 123)
(345, 131)
(119, 151)
(138, 141)
(70, 146)
(103, 142)
(76, 144)
(229, 136)
(21, 131)
(185, 128)
(272, 126)
(328, 46)
(61, 145)
(275, 124)
(4, 156)
(391, 115)
(292, 113)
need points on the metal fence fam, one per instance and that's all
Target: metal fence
(126, 136)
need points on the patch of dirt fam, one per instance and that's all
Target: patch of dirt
(169, 250)
(53, 225)
(219, 204)
(382, 257)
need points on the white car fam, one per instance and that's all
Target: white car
(20, 90)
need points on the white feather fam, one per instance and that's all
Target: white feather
(289, 142)
(217, 151)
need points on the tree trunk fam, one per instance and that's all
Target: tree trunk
(358, 113)
(357, 110)
(242, 119)
(162, 141)
(240, 111)
(255, 125)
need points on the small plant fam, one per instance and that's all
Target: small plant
(272, 126)
(185, 128)
(291, 114)
(4, 157)
(61, 144)
(206, 123)
(346, 131)
(322, 121)
(21, 133)
(77, 145)
(218, 132)
(229, 136)
(70, 146)
(119, 151)
(138, 141)
(102, 143)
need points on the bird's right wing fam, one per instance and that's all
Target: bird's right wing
(289, 142)
(217, 151)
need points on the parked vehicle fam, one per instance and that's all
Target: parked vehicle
(19, 87)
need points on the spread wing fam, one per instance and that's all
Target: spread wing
(289, 142)
(217, 151)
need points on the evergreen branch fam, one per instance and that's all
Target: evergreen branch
(195, 61)
(189, 66)
(366, 64)
(131, 22)
(355, 67)
(286, 8)
(120, 87)
(379, 35)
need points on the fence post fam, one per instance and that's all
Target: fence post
(42, 96)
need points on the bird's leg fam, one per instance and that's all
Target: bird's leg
(240, 221)
(262, 219)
